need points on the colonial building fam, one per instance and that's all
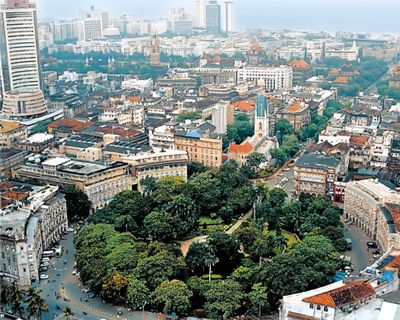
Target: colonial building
(375, 208)
(316, 174)
(100, 182)
(301, 71)
(298, 115)
(201, 145)
(27, 230)
(157, 165)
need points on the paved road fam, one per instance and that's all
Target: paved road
(278, 180)
(360, 256)
(61, 276)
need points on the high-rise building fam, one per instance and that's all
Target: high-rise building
(154, 50)
(200, 20)
(229, 16)
(19, 46)
(213, 17)
(63, 30)
(89, 29)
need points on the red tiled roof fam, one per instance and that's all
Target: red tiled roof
(245, 105)
(295, 107)
(394, 264)
(241, 148)
(14, 195)
(352, 292)
(342, 80)
(119, 131)
(134, 99)
(299, 64)
(74, 125)
(359, 140)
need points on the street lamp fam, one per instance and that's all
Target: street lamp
(143, 310)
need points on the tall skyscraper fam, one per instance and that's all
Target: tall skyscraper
(213, 17)
(200, 19)
(229, 16)
(19, 46)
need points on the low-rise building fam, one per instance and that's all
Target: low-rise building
(375, 208)
(301, 71)
(157, 165)
(297, 114)
(100, 182)
(316, 174)
(10, 159)
(11, 133)
(29, 229)
(201, 145)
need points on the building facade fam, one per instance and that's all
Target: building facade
(11, 133)
(374, 208)
(272, 78)
(316, 174)
(29, 230)
(100, 182)
(203, 149)
(19, 43)
(24, 104)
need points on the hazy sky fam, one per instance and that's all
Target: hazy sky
(374, 16)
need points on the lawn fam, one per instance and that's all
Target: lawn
(208, 221)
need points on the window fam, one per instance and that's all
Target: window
(326, 309)
(318, 307)
(311, 306)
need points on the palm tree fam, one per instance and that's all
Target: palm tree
(35, 303)
(67, 314)
(210, 260)
(14, 299)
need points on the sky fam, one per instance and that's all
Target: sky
(373, 16)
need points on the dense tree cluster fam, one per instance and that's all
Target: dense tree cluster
(367, 71)
(127, 254)
(239, 130)
(170, 208)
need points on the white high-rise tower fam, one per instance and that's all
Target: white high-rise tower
(200, 19)
(19, 46)
(229, 17)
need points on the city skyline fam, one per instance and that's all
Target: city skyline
(356, 16)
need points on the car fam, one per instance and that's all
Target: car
(74, 272)
(42, 269)
(44, 276)
(44, 264)
(286, 169)
(86, 290)
(376, 252)
(46, 259)
(372, 244)
(90, 295)
(377, 256)
(70, 230)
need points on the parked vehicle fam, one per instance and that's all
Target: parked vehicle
(44, 276)
(348, 244)
(45, 259)
(48, 253)
(372, 245)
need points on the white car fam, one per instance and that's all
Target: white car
(44, 276)
(70, 230)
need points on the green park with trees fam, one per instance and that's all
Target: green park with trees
(130, 251)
